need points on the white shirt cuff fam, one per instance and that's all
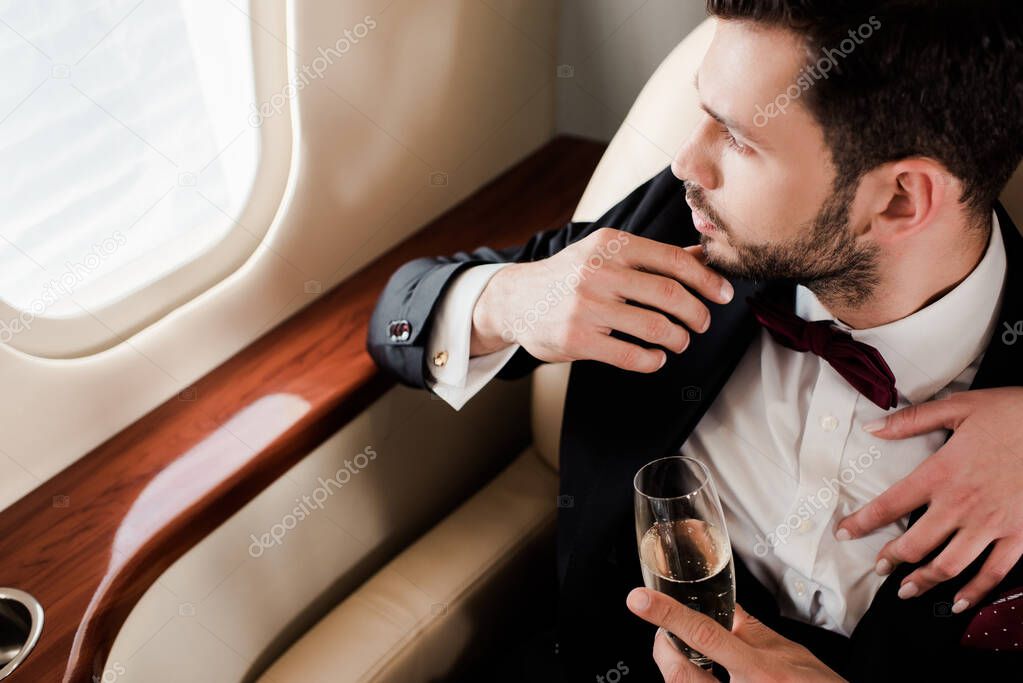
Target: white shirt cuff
(456, 377)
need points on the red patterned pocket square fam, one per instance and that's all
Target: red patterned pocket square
(998, 626)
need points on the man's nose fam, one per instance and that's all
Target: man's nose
(694, 161)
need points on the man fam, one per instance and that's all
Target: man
(846, 172)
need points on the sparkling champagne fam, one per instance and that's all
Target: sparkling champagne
(690, 560)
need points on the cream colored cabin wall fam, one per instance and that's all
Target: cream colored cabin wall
(450, 90)
(613, 47)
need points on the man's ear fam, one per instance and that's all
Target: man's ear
(906, 197)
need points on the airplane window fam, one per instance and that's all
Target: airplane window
(126, 145)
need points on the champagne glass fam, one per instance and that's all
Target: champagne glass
(683, 544)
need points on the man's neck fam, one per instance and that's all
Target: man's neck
(912, 281)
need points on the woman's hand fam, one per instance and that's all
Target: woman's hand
(973, 488)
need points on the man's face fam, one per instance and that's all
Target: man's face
(761, 185)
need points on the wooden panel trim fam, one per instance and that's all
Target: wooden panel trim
(140, 500)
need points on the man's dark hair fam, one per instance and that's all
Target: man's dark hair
(933, 78)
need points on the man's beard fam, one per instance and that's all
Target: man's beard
(825, 257)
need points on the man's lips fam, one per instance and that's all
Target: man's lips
(702, 223)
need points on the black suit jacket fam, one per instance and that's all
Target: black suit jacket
(616, 421)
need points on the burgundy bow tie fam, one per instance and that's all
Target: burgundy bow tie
(860, 364)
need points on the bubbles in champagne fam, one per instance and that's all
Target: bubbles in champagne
(684, 550)
(690, 561)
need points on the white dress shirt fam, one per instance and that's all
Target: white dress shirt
(783, 438)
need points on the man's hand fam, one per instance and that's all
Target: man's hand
(563, 308)
(750, 652)
(973, 487)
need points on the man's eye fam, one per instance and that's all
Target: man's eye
(733, 143)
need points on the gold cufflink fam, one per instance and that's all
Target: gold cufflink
(440, 358)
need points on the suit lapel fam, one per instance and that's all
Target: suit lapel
(615, 422)
(710, 365)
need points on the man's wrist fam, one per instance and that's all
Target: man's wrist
(491, 332)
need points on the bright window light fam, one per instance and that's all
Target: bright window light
(125, 145)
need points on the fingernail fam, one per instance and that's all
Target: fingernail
(960, 606)
(727, 292)
(842, 535)
(874, 426)
(908, 590)
(638, 599)
(883, 567)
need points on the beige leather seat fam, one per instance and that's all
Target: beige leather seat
(426, 611)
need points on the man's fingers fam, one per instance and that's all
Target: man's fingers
(946, 413)
(1002, 559)
(899, 500)
(650, 326)
(687, 267)
(698, 252)
(950, 562)
(623, 354)
(675, 667)
(751, 630)
(916, 543)
(742, 617)
(698, 631)
(665, 294)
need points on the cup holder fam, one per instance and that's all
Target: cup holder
(21, 622)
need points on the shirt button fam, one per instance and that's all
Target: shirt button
(804, 526)
(440, 359)
(800, 587)
(829, 423)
